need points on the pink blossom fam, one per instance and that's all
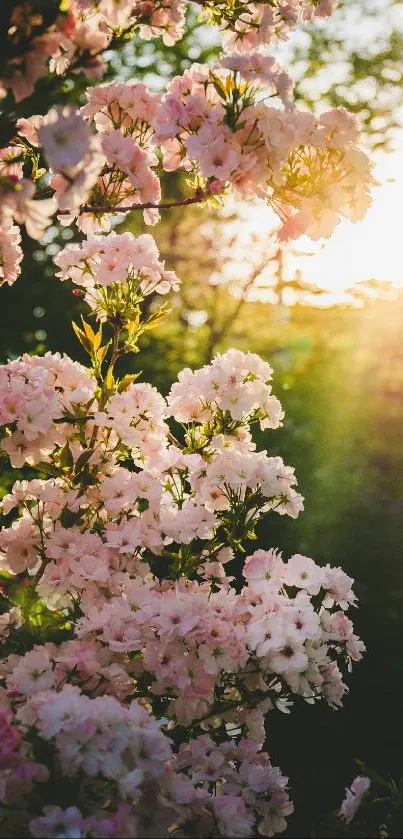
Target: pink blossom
(65, 138)
(58, 822)
(10, 252)
(264, 570)
(303, 573)
(354, 798)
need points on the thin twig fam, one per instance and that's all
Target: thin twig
(198, 198)
(216, 334)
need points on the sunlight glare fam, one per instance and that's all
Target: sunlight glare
(370, 249)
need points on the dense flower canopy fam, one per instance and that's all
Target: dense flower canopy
(122, 553)
(83, 29)
(231, 127)
(136, 670)
(129, 563)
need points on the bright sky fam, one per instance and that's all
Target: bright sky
(372, 248)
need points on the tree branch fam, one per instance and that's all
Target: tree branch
(198, 198)
(216, 334)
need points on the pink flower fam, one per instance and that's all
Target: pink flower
(290, 658)
(338, 586)
(232, 816)
(265, 632)
(36, 215)
(214, 153)
(66, 824)
(29, 127)
(341, 128)
(302, 572)
(354, 798)
(264, 570)
(65, 138)
(33, 674)
(262, 69)
(10, 252)
(118, 149)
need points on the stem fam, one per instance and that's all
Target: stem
(218, 333)
(114, 356)
(115, 348)
(198, 198)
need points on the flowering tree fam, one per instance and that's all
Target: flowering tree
(136, 672)
(212, 123)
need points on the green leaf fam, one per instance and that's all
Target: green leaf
(66, 457)
(126, 381)
(98, 359)
(48, 469)
(101, 352)
(109, 381)
(67, 518)
(220, 89)
(373, 775)
(83, 459)
(90, 334)
(82, 338)
(143, 504)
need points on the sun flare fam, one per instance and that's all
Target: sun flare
(369, 249)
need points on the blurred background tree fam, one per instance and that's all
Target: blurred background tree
(355, 59)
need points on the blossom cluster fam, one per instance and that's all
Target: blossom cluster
(82, 30)
(213, 124)
(142, 643)
(17, 204)
(34, 393)
(116, 271)
(246, 25)
(267, 645)
(78, 36)
(10, 252)
(234, 384)
(122, 554)
(133, 562)
(132, 760)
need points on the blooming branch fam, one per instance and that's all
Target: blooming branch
(119, 558)
(135, 677)
(199, 198)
